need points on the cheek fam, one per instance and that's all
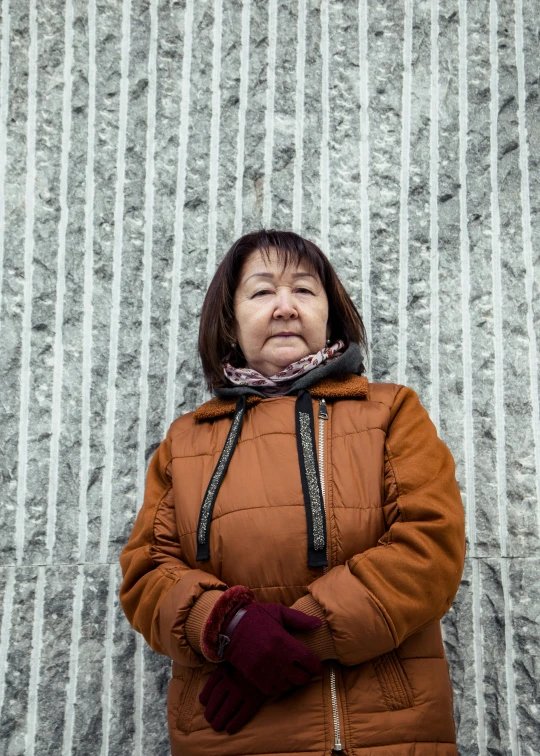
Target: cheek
(319, 317)
(251, 322)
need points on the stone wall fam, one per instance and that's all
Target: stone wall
(138, 139)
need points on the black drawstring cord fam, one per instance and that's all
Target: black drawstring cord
(309, 473)
(205, 516)
(311, 483)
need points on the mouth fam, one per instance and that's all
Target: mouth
(284, 335)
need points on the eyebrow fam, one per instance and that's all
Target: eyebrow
(271, 275)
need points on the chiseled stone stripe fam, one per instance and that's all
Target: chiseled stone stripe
(527, 241)
(116, 285)
(4, 109)
(313, 482)
(363, 23)
(214, 144)
(35, 662)
(499, 374)
(145, 336)
(244, 80)
(178, 248)
(434, 215)
(467, 376)
(325, 136)
(404, 193)
(56, 409)
(88, 286)
(73, 674)
(299, 119)
(6, 630)
(28, 279)
(269, 121)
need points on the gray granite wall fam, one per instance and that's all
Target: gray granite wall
(138, 139)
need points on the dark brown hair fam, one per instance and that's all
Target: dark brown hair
(216, 330)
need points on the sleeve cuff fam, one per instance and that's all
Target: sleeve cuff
(319, 641)
(199, 613)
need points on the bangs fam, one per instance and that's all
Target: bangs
(291, 250)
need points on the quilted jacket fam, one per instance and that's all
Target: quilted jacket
(380, 569)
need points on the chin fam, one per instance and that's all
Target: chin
(285, 355)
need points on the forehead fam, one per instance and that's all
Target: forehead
(273, 264)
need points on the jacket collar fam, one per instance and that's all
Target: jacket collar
(336, 387)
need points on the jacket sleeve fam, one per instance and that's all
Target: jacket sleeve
(159, 590)
(381, 596)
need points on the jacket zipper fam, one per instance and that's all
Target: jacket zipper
(323, 415)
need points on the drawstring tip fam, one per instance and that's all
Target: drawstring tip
(203, 552)
(317, 559)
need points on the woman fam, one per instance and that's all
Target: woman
(302, 533)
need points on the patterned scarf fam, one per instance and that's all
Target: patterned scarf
(279, 384)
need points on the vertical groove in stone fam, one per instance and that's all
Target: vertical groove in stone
(478, 657)
(404, 193)
(35, 661)
(465, 283)
(527, 242)
(509, 659)
(145, 320)
(60, 285)
(497, 284)
(214, 143)
(5, 631)
(71, 687)
(4, 105)
(28, 276)
(500, 430)
(148, 237)
(88, 285)
(434, 217)
(244, 82)
(138, 695)
(363, 25)
(325, 116)
(179, 214)
(299, 119)
(116, 286)
(269, 120)
(467, 376)
(107, 663)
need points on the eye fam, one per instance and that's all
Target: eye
(262, 291)
(303, 290)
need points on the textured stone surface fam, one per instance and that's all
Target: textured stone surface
(128, 173)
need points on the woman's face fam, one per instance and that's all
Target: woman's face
(281, 315)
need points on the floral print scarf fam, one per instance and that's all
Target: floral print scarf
(279, 384)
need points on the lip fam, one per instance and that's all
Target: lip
(284, 333)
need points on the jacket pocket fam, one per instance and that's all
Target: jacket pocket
(185, 706)
(395, 686)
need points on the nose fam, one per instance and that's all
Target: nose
(285, 307)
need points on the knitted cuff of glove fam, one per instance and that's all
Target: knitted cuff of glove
(199, 613)
(232, 598)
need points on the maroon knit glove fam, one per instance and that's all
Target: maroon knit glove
(262, 649)
(230, 700)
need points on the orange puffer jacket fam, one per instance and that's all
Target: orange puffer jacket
(394, 542)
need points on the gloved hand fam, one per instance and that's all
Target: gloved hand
(267, 655)
(230, 700)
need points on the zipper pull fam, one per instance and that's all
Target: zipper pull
(323, 410)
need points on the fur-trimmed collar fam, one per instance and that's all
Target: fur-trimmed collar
(337, 387)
